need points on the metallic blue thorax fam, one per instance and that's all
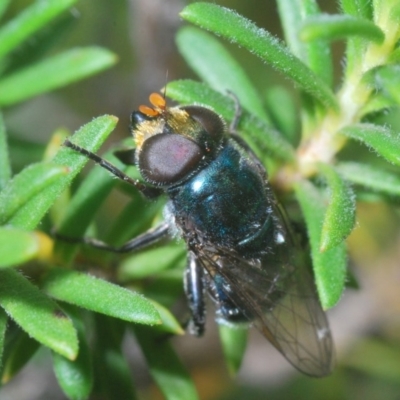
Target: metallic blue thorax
(225, 202)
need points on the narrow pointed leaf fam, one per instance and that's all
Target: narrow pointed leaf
(166, 288)
(385, 79)
(169, 322)
(165, 367)
(371, 177)
(340, 214)
(239, 30)
(378, 102)
(334, 27)
(315, 54)
(152, 261)
(355, 45)
(233, 341)
(3, 6)
(90, 136)
(26, 185)
(101, 296)
(17, 354)
(215, 65)
(29, 21)
(139, 210)
(113, 377)
(360, 8)
(284, 118)
(189, 92)
(59, 70)
(81, 210)
(36, 314)
(5, 167)
(381, 139)
(329, 266)
(3, 328)
(75, 377)
(18, 246)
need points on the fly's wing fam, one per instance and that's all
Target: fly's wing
(277, 294)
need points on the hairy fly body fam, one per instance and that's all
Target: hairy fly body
(240, 249)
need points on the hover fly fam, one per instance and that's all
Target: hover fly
(240, 249)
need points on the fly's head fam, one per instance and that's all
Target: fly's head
(174, 143)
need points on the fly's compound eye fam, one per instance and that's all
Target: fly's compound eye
(168, 158)
(209, 120)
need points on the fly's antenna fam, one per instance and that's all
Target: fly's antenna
(159, 106)
(165, 86)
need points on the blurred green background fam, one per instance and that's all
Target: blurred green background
(366, 323)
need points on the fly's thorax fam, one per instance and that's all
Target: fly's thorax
(174, 143)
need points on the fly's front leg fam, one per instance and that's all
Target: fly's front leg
(147, 191)
(146, 239)
(195, 294)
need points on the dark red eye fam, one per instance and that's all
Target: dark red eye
(167, 158)
(208, 119)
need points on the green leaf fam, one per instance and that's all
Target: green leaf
(357, 8)
(35, 313)
(29, 21)
(239, 30)
(41, 42)
(376, 359)
(81, 210)
(233, 341)
(152, 261)
(355, 46)
(377, 102)
(216, 66)
(169, 322)
(90, 136)
(3, 6)
(53, 73)
(112, 371)
(284, 118)
(329, 266)
(19, 351)
(371, 177)
(189, 92)
(3, 328)
(165, 367)
(340, 214)
(75, 377)
(24, 152)
(333, 27)
(166, 287)
(381, 139)
(316, 54)
(5, 167)
(27, 185)
(17, 246)
(385, 79)
(101, 296)
(138, 216)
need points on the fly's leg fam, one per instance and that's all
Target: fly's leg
(147, 191)
(146, 239)
(195, 294)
